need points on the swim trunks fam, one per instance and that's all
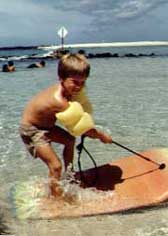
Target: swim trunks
(33, 137)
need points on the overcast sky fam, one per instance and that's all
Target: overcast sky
(36, 22)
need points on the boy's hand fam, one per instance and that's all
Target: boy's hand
(95, 134)
(105, 138)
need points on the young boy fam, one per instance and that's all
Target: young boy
(38, 127)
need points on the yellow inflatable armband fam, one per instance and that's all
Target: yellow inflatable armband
(71, 115)
(85, 124)
(75, 119)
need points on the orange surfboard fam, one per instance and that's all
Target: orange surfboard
(134, 182)
(128, 183)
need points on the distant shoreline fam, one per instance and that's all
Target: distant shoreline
(114, 44)
(89, 45)
(90, 50)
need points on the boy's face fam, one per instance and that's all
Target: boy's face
(73, 85)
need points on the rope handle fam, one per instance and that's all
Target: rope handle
(80, 147)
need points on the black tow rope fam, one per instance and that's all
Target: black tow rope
(81, 147)
(160, 166)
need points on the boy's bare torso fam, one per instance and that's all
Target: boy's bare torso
(40, 111)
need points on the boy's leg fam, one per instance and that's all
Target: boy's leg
(46, 153)
(61, 136)
(49, 157)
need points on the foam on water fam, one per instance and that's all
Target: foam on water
(154, 230)
(26, 197)
(72, 188)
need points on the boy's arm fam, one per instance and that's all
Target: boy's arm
(87, 106)
(97, 134)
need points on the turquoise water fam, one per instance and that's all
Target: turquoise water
(130, 97)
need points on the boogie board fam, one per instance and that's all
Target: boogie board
(128, 183)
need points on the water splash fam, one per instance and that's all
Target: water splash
(27, 197)
(72, 189)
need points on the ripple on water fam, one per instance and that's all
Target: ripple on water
(154, 230)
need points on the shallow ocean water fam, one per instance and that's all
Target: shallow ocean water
(130, 97)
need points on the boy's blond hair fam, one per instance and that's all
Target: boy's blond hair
(73, 65)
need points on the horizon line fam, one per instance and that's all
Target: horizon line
(113, 44)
